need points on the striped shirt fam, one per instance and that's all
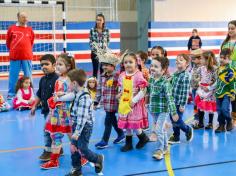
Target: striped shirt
(181, 86)
(107, 90)
(82, 111)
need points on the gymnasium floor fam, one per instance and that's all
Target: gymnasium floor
(21, 142)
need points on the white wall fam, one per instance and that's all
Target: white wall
(194, 10)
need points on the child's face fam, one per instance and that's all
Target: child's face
(61, 67)
(91, 84)
(47, 67)
(224, 60)
(156, 52)
(181, 63)
(156, 69)
(196, 60)
(108, 68)
(73, 86)
(26, 84)
(232, 30)
(203, 61)
(130, 64)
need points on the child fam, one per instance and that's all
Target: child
(106, 91)
(230, 43)
(92, 87)
(161, 102)
(82, 125)
(131, 110)
(181, 85)
(45, 91)
(194, 41)
(195, 78)
(225, 91)
(4, 105)
(143, 57)
(58, 120)
(205, 98)
(24, 94)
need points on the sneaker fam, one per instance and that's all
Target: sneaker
(229, 126)
(198, 126)
(221, 128)
(158, 155)
(50, 164)
(173, 140)
(189, 135)
(45, 156)
(119, 139)
(209, 126)
(101, 145)
(74, 172)
(99, 164)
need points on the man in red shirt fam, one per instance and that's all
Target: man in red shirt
(20, 39)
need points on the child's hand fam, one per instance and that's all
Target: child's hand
(205, 89)
(55, 98)
(118, 96)
(175, 117)
(232, 98)
(74, 137)
(73, 148)
(131, 104)
(181, 109)
(30, 101)
(59, 94)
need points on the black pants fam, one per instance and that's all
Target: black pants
(233, 103)
(111, 121)
(95, 63)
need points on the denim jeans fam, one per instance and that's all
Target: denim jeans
(14, 70)
(47, 138)
(160, 119)
(111, 121)
(180, 124)
(223, 109)
(82, 144)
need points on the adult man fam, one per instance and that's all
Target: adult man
(20, 39)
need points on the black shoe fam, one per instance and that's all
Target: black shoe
(198, 126)
(128, 144)
(173, 140)
(99, 164)
(229, 126)
(143, 140)
(74, 172)
(221, 128)
(189, 135)
(209, 126)
(45, 156)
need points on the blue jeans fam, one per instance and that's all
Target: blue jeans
(14, 70)
(180, 124)
(160, 119)
(47, 138)
(223, 110)
(111, 121)
(82, 144)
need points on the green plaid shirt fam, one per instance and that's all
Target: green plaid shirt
(181, 86)
(160, 93)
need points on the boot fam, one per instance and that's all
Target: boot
(143, 139)
(233, 115)
(229, 126)
(128, 144)
(53, 163)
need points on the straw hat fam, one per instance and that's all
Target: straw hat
(196, 53)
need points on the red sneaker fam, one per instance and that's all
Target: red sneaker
(50, 164)
(84, 161)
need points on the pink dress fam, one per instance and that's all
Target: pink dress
(135, 117)
(22, 98)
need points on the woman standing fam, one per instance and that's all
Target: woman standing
(100, 35)
(230, 42)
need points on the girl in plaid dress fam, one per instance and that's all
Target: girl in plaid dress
(58, 120)
(131, 110)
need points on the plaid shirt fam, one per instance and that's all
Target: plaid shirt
(82, 111)
(107, 90)
(161, 99)
(102, 39)
(181, 86)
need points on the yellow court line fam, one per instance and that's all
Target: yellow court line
(168, 158)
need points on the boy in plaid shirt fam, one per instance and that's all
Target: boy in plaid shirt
(161, 103)
(181, 87)
(82, 124)
(107, 90)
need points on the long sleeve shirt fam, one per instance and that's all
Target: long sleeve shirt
(181, 86)
(194, 43)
